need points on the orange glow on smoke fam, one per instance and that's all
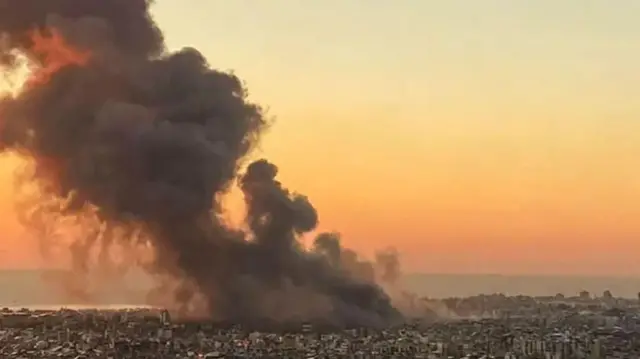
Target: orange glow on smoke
(49, 53)
(53, 53)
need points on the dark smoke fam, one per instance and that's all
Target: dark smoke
(148, 141)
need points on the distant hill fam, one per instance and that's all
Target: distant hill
(27, 287)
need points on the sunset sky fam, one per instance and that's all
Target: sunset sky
(493, 136)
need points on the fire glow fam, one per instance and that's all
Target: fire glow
(52, 53)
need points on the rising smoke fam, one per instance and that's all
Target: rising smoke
(132, 147)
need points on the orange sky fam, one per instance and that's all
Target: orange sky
(474, 137)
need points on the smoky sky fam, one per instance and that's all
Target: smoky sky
(154, 138)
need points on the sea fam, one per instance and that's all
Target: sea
(32, 289)
(36, 289)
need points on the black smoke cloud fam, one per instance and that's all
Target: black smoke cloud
(151, 139)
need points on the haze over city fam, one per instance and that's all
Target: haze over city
(489, 137)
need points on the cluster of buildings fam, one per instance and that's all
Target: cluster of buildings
(543, 328)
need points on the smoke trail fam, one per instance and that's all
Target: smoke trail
(133, 146)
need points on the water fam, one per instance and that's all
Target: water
(463, 285)
(80, 307)
(26, 288)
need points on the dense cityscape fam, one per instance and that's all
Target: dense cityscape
(484, 326)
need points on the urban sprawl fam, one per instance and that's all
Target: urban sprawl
(484, 326)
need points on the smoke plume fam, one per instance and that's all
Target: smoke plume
(131, 149)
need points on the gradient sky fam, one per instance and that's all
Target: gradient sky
(475, 136)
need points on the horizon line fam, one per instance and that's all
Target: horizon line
(431, 273)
